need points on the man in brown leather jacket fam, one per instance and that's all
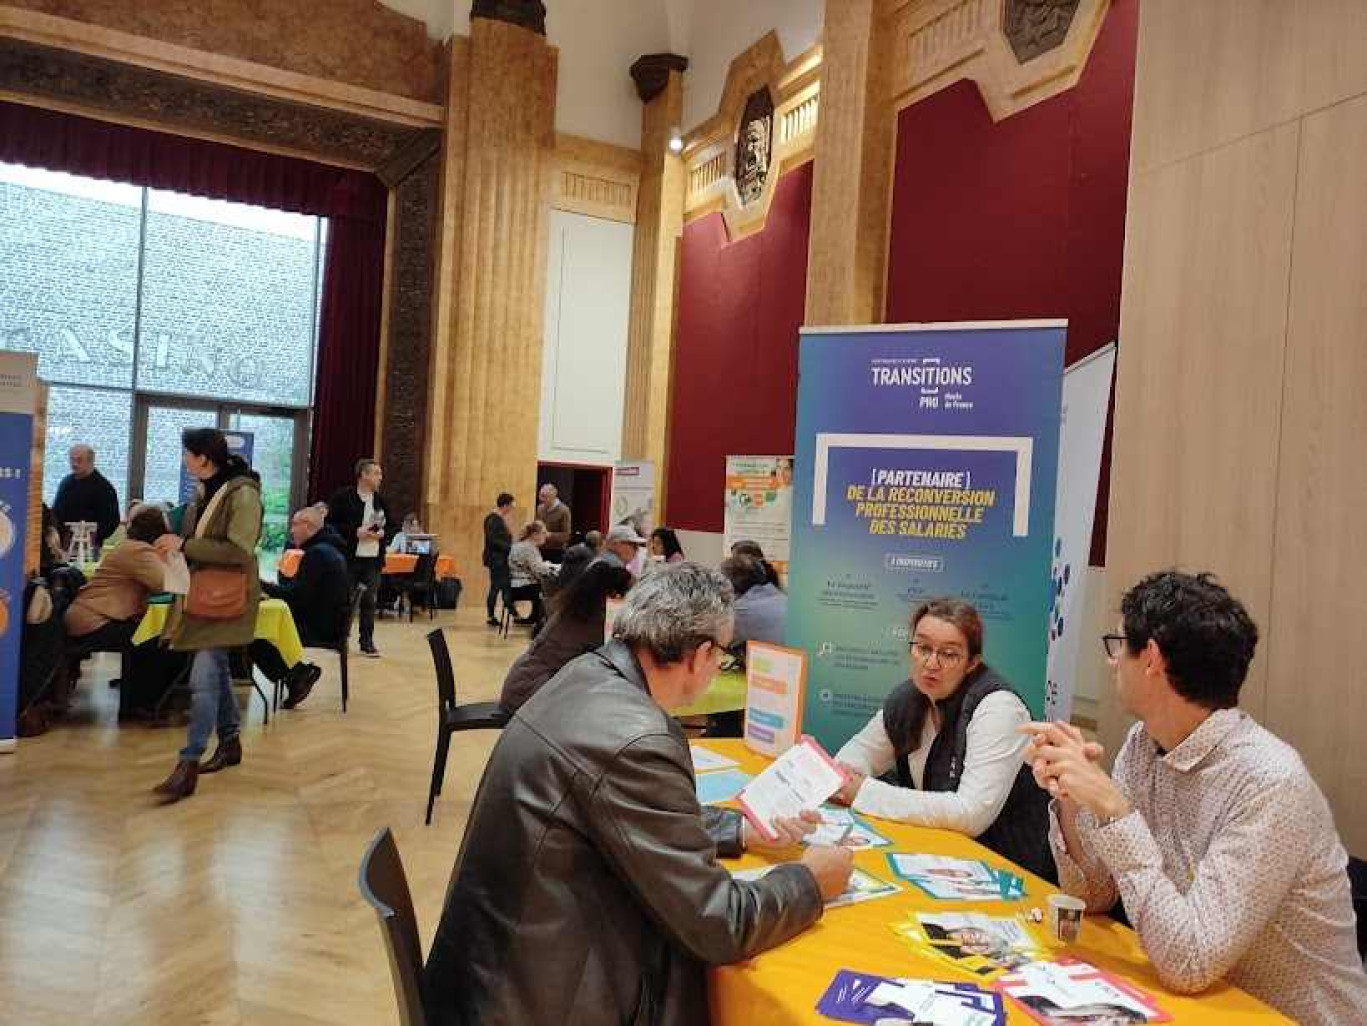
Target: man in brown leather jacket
(588, 889)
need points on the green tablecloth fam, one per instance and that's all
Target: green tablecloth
(274, 623)
(726, 694)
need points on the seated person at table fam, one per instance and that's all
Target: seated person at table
(623, 545)
(664, 546)
(952, 733)
(1210, 828)
(318, 596)
(579, 555)
(526, 569)
(575, 627)
(405, 542)
(761, 606)
(587, 888)
(106, 612)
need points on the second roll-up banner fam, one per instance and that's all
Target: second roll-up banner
(926, 465)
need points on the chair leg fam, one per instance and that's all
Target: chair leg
(265, 705)
(438, 769)
(346, 684)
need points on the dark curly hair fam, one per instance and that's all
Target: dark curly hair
(1205, 634)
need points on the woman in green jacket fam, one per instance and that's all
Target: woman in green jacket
(220, 530)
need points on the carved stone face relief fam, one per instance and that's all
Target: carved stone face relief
(1033, 27)
(754, 146)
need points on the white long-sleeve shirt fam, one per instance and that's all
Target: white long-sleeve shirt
(992, 760)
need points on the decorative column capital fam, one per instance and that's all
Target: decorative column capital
(651, 73)
(528, 14)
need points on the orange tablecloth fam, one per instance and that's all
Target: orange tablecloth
(394, 563)
(782, 986)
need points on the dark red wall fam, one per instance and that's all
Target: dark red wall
(1022, 218)
(735, 358)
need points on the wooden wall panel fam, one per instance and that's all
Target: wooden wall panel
(1203, 325)
(1318, 700)
(1214, 71)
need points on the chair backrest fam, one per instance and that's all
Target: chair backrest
(353, 610)
(441, 661)
(385, 886)
(426, 570)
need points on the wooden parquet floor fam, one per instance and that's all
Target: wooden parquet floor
(238, 905)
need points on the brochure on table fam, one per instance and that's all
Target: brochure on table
(862, 886)
(801, 778)
(775, 680)
(865, 998)
(759, 505)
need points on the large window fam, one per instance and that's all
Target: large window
(133, 298)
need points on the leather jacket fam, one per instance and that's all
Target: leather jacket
(588, 889)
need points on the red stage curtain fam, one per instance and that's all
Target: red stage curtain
(1021, 218)
(735, 358)
(353, 201)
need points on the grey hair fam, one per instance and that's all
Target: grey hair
(675, 609)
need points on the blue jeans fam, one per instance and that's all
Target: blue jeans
(212, 702)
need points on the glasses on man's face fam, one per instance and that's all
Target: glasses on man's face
(1113, 644)
(946, 657)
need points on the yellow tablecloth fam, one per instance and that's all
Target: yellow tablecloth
(274, 623)
(394, 563)
(726, 694)
(782, 986)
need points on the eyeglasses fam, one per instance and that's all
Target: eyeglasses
(1113, 643)
(947, 657)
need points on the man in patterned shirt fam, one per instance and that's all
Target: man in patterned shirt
(1211, 831)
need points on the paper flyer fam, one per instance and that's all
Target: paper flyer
(801, 778)
(775, 678)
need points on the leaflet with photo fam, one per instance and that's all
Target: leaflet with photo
(1069, 991)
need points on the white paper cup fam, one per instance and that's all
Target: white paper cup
(1065, 917)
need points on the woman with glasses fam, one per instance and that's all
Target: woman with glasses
(947, 739)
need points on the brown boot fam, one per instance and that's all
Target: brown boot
(180, 784)
(228, 753)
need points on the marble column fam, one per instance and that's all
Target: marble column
(485, 382)
(659, 223)
(847, 252)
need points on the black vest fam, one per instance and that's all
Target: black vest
(1021, 830)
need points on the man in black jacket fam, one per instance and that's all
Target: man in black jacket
(360, 516)
(587, 836)
(86, 494)
(318, 595)
(498, 542)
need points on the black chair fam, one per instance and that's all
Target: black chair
(452, 717)
(1357, 883)
(340, 647)
(384, 885)
(512, 596)
(421, 582)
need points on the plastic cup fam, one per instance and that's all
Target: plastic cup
(1065, 917)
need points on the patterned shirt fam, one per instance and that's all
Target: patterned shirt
(1230, 867)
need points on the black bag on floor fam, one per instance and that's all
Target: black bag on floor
(448, 593)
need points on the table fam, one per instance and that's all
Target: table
(394, 563)
(274, 623)
(783, 985)
(726, 693)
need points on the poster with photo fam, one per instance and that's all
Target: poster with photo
(759, 505)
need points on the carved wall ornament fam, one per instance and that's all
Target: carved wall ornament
(754, 146)
(1033, 27)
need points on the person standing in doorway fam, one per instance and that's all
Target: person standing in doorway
(558, 520)
(498, 542)
(218, 537)
(360, 516)
(86, 494)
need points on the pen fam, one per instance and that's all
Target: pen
(844, 834)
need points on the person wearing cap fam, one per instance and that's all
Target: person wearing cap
(623, 545)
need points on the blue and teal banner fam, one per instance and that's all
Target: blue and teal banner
(926, 465)
(18, 382)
